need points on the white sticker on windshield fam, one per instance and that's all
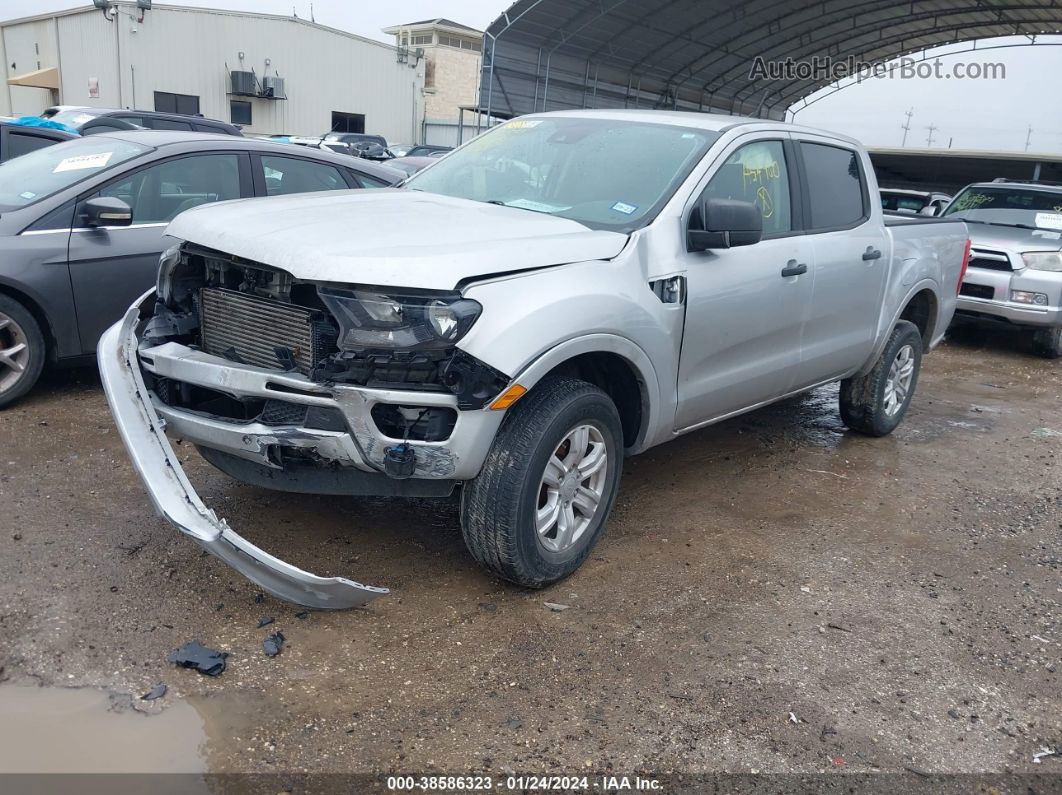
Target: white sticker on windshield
(98, 160)
(538, 207)
(1049, 220)
(623, 207)
(27, 195)
(523, 124)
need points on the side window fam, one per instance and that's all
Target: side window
(21, 143)
(757, 173)
(167, 124)
(285, 175)
(835, 186)
(158, 193)
(370, 182)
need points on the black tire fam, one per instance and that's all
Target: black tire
(21, 328)
(863, 398)
(498, 507)
(1047, 342)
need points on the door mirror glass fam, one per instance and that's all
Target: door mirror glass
(724, 223)
(929, 209)
(106, 211)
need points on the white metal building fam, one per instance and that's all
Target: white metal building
(180, 59)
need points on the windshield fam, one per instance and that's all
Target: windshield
(76, 117)
(603, 173)
(36, 175)
(902, 201)
(1009, 206)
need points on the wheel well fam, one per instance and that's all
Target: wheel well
(38, 314)
(615, 376)
(922, 311)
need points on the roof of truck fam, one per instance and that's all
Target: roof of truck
(716, 122)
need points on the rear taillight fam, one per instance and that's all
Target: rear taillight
(965, 265)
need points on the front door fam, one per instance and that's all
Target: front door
(744, 317)
(111, 266)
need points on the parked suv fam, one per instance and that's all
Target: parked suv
(1015, 273)
(563, 290)
(96, 120)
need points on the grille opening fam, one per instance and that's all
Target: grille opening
(990, 260)
(419, 423)
(180, 395)
(977, 291)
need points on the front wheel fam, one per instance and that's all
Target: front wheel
(1047, 342)
(22, 351)
(875, 403)
(547, 486)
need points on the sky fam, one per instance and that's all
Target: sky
(967, 114)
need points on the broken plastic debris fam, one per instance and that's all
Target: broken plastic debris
(793, 718)
(1045, 752)
(1044, 433)
(557, 608)
(209, 662)
(158, 691)
(273, 644)
(264, 622)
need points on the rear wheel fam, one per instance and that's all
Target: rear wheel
(547, 486)
(1047, 342)
(875, 403)
(22, 351)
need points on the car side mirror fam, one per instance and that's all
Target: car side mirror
(929, 210)
(724, 223)
(106, 211)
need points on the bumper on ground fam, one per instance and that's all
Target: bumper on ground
(176, 500)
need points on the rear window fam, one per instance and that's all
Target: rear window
(835, 186)
(37, 175)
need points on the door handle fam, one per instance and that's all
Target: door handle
(793, 268)
(871, 254)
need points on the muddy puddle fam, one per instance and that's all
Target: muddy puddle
(68, 730)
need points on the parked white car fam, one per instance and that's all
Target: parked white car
(559, 292)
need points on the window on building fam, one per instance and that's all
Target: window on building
(458, 42)
(239, 112)
(420, 38)
(348, 122)
(186, 104)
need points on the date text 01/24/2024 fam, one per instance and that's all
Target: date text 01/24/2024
(521, 783)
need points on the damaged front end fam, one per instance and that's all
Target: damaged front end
(297, 386)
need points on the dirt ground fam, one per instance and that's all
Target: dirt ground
(772, 594)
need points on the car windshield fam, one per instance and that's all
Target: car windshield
(1009, 206)
(902, 201)
(603, 173)
(75, 117)
(36, 175)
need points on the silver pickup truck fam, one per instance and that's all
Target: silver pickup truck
(1015, 274)
(563, 290)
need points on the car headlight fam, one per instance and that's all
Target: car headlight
(371, 319)
(1043, 260)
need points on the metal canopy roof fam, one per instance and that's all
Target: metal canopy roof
(697, 54)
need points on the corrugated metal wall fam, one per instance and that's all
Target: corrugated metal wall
(189, 51)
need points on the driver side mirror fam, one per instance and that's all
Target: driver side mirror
(724, 223)
(106, 211)
(929, 209)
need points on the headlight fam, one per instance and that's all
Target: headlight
(1043, 260)
(370, 319)
(167, 262)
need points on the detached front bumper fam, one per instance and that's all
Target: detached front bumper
(176, 500)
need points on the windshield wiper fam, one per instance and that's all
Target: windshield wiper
(1000, 223)
(516, 206)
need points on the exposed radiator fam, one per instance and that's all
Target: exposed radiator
(262, 332)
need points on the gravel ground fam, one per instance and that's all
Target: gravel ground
(772, 594)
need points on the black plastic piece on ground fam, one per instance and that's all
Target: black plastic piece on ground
(400, 461)
(263, 622)
(273, 644)
(158, 691)
(209, 662)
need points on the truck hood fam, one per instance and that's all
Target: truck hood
(400, 238)
(1012, 238)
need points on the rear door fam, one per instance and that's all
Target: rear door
(851, 255)
(111, 266)
(744, 317)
